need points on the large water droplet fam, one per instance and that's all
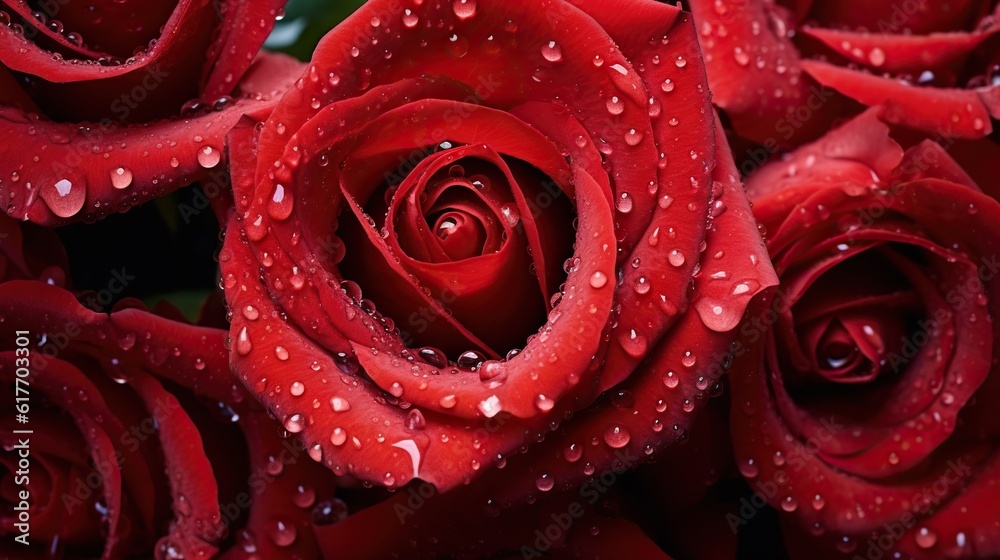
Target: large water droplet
(121, 178)
(340, 404)
(616, 436)
(545, 482)
(925, 538)
(209, 157)
(295, 423)
(281, 531)
(552, 52)
(464, 9)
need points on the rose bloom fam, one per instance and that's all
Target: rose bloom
(783, 71)
(873, 426)
(30, 252)
(142, 443)
(103, 107)
(467, 222)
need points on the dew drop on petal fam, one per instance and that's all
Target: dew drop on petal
(339, 404)
(925, 538)
(615, 105)
(598, 279)
(121, 178)
(209, 157)
(544, 403)
(671, 379)
(552, 52)
(616, 436)
(464, 9)
(338, 437)
(545, 482)
(295, 423)
(243, 345)
(282, 532)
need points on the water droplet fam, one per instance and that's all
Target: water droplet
(297, 388)
(457, 46)
(925, 538)
(615, 105)
(295, 423)
(396, 389)
(641, 285)
(510, 214)
(243, 345)
(671, 379)
(748, 468)
(633, 343)
(624, 203)
(616, 436)
(598, 279)
(818, 502)
(545, 482)
(415, 420)
(328, 512)
(304, 496)
(490, 407)
(338, 437)
(470, 360)
(464, 9)
(675, 257)
(433, 356)
(876, 57)
(544, 403)
(633, 137)
(741, 56)
(339, 404)
(573, 452)
(410, 19)
(316, 452)
(281, 531)
(552, 52)
(121, 178)
(448, 401)
(209, 157)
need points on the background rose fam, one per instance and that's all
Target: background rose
(498, 125)
(107, 105)
(30, 252)
(784, 70)
(871, 429)
(143, 445)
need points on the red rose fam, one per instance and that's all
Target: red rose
(143, 445)
(873, 422)
(783, 71)
(107, 106)
(30, 252)
(408, 291)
